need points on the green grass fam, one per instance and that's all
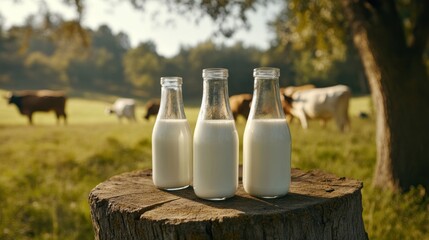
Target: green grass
(49, 170)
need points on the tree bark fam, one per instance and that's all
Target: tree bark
(400, 90)
(319, 206)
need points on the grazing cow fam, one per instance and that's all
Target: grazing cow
(29, 102)
(321, 103)
(363, 115)
(123, 107)
(240, 105)
(152, 108)
(289, 91)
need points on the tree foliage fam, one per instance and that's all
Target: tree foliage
(142, 65)
(314, 31)
(58, 56)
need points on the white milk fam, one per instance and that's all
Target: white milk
(171, 154)
(266, 158)
(215, 159)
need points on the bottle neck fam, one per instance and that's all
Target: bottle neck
(171, 106)
(266, 102)
(215, 102)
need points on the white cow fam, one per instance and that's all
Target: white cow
(123, 107)
(321, 103)
(289, 91)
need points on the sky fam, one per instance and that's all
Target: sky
(141, 26)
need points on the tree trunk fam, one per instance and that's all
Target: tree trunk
(318, 206)
(400, 90)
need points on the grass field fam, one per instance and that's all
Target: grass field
(49, 170)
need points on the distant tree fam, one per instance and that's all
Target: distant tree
(281, 57)
(179, 65)
(43, 49)
(143, 67)
(107, 50)
(28, 60)
(38, 56)
(11, 61)
(103, 37)
(241, 61)
(42, 71)
(238, 59)
(100, 66)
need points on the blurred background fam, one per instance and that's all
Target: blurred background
(98, 51)
(121, 50)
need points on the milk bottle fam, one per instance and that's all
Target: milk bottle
(171, 139)
(266, 141)
(215, 140)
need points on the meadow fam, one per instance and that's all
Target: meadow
(48, 170)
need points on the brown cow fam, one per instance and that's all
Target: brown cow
(240, 105)
(152, 108)
(29, 102)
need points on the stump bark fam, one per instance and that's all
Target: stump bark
(318, 206)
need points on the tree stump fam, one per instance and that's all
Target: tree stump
(318, 206)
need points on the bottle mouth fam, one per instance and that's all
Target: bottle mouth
(266, 72)
(171, 81)
(215, 73)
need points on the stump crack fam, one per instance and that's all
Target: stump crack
(141, 211)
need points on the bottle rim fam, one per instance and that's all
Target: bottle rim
(171, 80)
(266, 72)
(215, 73)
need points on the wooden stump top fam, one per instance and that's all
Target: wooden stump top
(125, 205)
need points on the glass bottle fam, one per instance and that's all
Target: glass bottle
(215, 140)
(266, 141)
(171, 139)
